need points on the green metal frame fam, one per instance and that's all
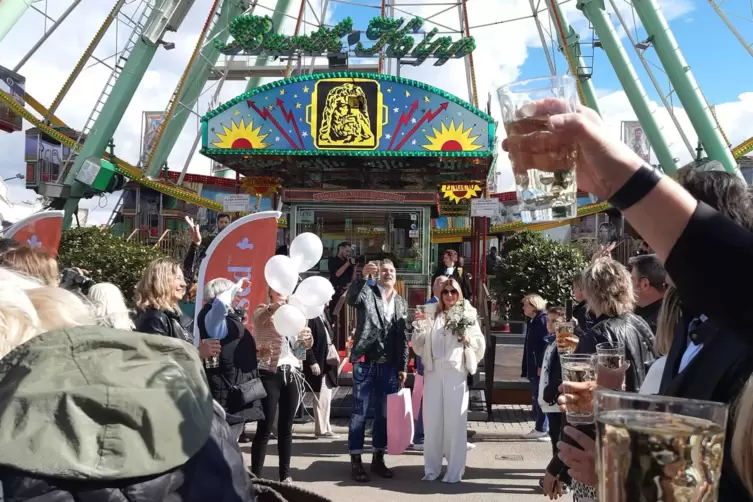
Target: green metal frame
(595, 11)
(195, 81)
(685, 85)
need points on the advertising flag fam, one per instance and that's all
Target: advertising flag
(240, 251)
(40, 230)
(633, 136)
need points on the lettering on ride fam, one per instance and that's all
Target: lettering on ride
(253, 35)
(238, 274)
(359, 195)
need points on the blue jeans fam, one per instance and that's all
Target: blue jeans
(418, 430)
(371, 381)
(541, 421)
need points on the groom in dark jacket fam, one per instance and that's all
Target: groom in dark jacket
(380, 359)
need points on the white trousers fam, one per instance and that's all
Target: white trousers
(445, 414)
(322, 406)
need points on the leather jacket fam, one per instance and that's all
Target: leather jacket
(165, 323)
(634, 333)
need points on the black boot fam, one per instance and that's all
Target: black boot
(378, 467)
(357, 470)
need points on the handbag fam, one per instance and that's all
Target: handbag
(247, 392)
(333, 358)
(469, 360)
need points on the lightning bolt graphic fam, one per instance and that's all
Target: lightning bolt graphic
(428, 117)
(290, 119)
(404, 119)
(266, 114)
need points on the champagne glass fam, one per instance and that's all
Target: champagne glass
(657, 448)
(579, 368)
(551, 193)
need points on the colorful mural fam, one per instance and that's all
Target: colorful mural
(348, 114)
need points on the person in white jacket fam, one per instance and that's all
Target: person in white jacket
(448, 355)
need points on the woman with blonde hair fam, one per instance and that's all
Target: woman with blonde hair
(158, 292)
(534, 309)
(109, 306)
(32, 262)
(450, 347)
(28, 309)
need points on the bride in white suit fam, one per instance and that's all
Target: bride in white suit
(450, 346)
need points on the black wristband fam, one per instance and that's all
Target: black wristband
(637, 187)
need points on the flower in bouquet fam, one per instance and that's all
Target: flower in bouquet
(458, 319)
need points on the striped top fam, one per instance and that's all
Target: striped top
(271, 346)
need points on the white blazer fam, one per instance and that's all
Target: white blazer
(422, 342)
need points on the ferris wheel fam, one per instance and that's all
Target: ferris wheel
(568, 34)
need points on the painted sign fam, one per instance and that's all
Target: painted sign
(240, 251)
(633, 136)
(152, 121)
(350, 112)
(253, 35)
(14, 85)
(40, 230)
(263, 186)
(457, 192)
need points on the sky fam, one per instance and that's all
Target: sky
(508, 48)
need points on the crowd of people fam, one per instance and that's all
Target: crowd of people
(98, 400)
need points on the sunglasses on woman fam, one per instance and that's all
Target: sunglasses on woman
(452, 292)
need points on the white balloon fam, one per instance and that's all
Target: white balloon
(315, 291)
(281, 274)
(306, 249)
(309, 312)
(289, 321)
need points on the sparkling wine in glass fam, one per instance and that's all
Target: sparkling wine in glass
(658, 449)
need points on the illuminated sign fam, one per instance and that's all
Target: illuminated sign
(253, 35)
(457, 192)
(264, 186)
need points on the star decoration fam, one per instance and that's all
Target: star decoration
(413, 120)
(295, 96)
(388, 136)
(395, 110)
(297, 105)
(407, 94)
(236, 113)
(271, 107)
(413, 142)
(277, 139)
(459, 114)
(426, 99)
(305, 89)
(282, 92)
(389, 89)
(304, 134)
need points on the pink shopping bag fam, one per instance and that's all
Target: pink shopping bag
(399, 421)
(418, 394)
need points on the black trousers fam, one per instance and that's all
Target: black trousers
(282, 393)
(556, 424)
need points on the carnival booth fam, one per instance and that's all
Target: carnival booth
(359, 158)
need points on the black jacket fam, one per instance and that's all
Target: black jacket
(634, 333)
(650, 314)
(317, 354)
(534, 347)
(717, 373)
(585, 318)
(165, 323)
(372, 339)
(238, 365)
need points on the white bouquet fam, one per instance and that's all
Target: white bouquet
(458, 319)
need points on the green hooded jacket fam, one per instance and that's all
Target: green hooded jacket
(95, 403)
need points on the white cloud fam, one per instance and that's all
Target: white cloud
(502, 50)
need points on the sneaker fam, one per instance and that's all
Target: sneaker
(287, 481)
(537, 435)
(417, 447)
(470, 446)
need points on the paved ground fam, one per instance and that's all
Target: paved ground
(502, 467)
